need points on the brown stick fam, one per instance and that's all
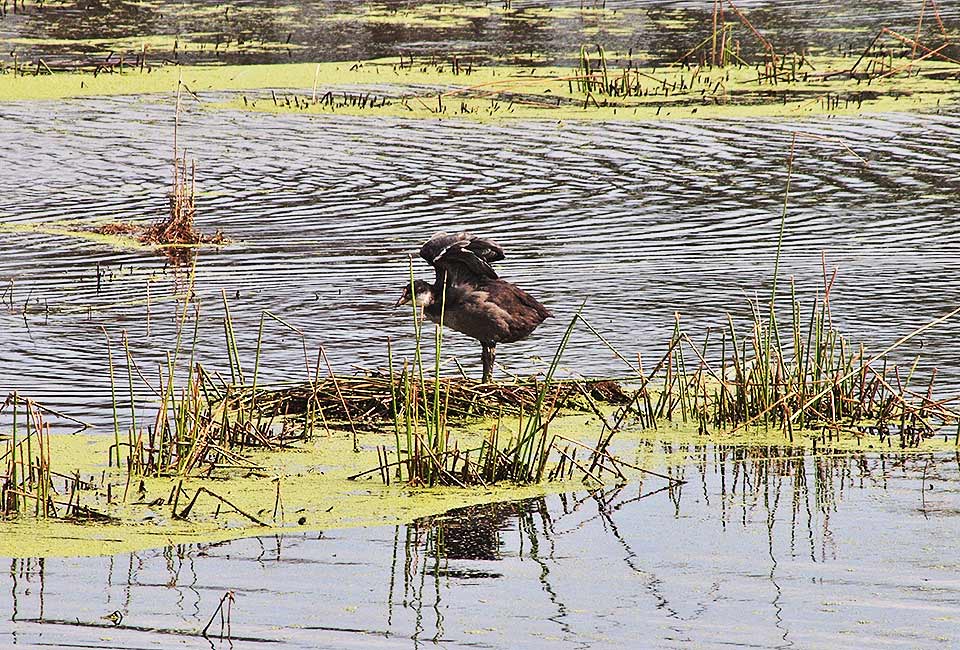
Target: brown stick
(186, 511)
(766, 44)
(910, 41)
(336, 386)
(619, 461)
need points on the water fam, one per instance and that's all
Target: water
(270, 31)
(643, 220)
(759, 549)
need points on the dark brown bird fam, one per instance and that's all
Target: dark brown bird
(469, 297)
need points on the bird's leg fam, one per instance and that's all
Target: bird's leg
(488, 356)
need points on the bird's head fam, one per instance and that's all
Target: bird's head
(421, 292)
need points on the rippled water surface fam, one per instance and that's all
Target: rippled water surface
(759, 549)
(641, 220)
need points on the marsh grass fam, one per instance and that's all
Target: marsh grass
(206, 421)
(29, 487)
(702, 75)
(806, 375)
(529, 455)
(177, 228)
(421, 417)
(209, 422)
(790, 371)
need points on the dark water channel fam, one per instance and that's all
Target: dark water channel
(71, 32)
(759, 549)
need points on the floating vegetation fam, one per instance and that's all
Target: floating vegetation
(178, 229)
(604, 86)
(782, 86)
(367, 399)
(809, 378)
(223, 455)
(175, 234)
(209, 425)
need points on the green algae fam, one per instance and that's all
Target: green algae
(316, 494)
(401, 88)
(101, 232)
(424, 16)
(73, 230)
(312, 482)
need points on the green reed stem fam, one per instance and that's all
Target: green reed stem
(525, 445)
(13, 452)
(236, 370)
(256, 369)
(133, 406)
(438, 443)
(776, 265)
(113, 399)
(393, 407)
(610, 346)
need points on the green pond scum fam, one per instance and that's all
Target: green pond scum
(76, 230)
(118, 236)
(217, 460)
(307, 487)
(338, 477)
(605, 86)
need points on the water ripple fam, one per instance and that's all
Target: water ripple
(641, 219)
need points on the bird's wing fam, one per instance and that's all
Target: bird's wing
(485, 249)
(461, 256)
(505, 293)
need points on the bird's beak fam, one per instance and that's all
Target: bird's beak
(399, 302)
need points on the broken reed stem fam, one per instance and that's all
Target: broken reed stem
(225, 616)
(183, 514)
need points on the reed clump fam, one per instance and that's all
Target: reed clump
(426, 453)
(805, 376)
(793, 372)
(208, 422)
(29, 487)
(737, 64)
(178, 228)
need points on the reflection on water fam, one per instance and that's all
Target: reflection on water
(267, 31)
(760, 547)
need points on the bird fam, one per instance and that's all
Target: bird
(469, 297)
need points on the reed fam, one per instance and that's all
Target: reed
(29, 487)
(178, 226)
(790, 369)
(176, 232)
(422, 409)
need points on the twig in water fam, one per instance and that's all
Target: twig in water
(186, 511)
